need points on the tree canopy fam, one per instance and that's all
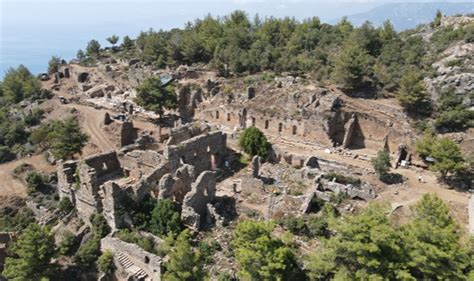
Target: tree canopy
(32, 253)
(185, 263)
(63, 138)
(53, 64)
(260, 256)
(368, 246)
(165, 218)
(412, 93)
(446, 153)
(113, 39)
(254, 142)
(19, 84)
(153, 96)
(93, 48)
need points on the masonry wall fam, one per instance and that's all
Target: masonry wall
(204, 152)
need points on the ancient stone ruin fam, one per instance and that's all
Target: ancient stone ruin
(102, 183)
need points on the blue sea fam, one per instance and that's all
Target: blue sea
(33, 31)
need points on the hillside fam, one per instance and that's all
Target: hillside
(409, 15)
(240, 149)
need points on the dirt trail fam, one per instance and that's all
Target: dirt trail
(10, 186)
(91, 120)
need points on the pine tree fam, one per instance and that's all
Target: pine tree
(351, 65)
(185, 263)
(32, 254)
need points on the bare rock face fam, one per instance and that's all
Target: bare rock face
(195, 211)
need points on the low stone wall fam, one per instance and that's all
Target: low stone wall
(137, 258)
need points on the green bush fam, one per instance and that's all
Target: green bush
(105, 263)
(144, 242)
(34, 181)
(454, 120)
(88, 253)
(65, 206)
(381, 163)
(99, 225)
(342, 179)
(166, 218)
(254, 142)
(67, 244)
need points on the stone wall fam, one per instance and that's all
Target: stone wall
(93, 172)
(176, 186)
(195, 210)
(320, 118)
(185, 132)
(204, 152)
(137, 163)
(66, 179)
(132, 259)
(113, 197)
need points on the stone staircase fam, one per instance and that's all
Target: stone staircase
(136, 272)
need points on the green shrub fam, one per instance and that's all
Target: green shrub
(254, 142)
(99, 225)
(105, 263)
(342, 179)
(88, 253)
(166, 218)
(144, 242)
(65, 206)
(317, 226)
(34, 181)
(207, 250)
(454, 120)
(381, 163)
(67, 244)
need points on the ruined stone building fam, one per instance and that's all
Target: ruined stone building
(183, 172)
(323, 117)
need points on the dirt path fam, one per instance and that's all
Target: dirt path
(91, 119)
(10, 186)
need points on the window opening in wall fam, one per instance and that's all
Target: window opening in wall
(294, 129)
(280, 127)
(266, 124)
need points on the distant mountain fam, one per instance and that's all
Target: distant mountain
(409, 15)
